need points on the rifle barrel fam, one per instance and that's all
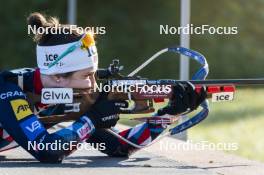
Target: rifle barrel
(240, 82)
(236, 82)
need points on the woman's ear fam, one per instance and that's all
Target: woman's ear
(57, 78)
(60, 81)
(54, 81)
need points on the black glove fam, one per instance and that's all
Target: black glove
(184, 97)
(105, 113)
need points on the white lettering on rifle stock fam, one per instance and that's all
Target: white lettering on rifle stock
(222, 96)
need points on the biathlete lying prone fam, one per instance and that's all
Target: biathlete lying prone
(76, 68)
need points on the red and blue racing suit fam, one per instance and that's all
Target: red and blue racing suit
(19, 125)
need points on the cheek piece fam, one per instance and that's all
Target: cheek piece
(69, 57)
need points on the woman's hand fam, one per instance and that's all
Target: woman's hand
(184, 98)
(105, 113)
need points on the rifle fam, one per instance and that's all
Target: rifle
(217, 89)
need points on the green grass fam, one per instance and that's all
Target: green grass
(240, 121)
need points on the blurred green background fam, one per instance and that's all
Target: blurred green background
(132, 35)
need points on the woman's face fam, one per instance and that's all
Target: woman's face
(82, 79)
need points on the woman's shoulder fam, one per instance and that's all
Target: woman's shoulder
(23, 77)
